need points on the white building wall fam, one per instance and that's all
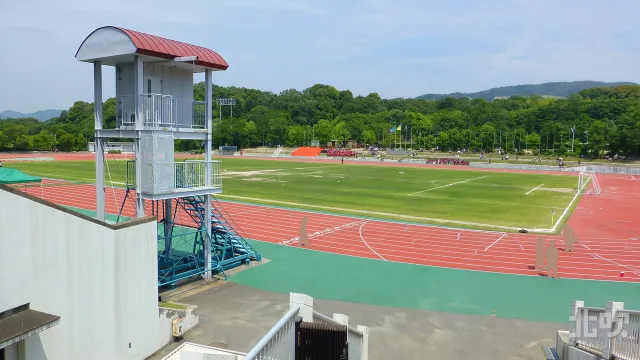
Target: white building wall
(176, 82)
(101, 282)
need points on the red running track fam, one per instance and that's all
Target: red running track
(604, 224)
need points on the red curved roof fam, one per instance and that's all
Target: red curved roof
(157, 46)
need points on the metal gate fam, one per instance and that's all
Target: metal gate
(320, 341)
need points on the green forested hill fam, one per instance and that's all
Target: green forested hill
(559, 89)
(603, 119)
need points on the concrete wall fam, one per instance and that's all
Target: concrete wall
(100, 279)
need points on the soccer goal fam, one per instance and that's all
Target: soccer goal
(588, 181)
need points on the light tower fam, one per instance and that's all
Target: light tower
(155, 106)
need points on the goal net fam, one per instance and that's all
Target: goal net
(588, 181)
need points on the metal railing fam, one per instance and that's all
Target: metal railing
(193, 174)
(127, 111)
(165, 177)
(626, 337)
(355, 337)
(591, 332)
(608, 333)
(162, 111)
(279, 342)
(158, 111)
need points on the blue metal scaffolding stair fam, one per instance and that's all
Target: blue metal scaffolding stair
(231, 248)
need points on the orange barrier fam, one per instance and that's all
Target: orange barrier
(307, 151)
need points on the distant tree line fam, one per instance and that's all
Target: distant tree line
(594, 121)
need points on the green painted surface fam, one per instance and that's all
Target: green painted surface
(344, 278)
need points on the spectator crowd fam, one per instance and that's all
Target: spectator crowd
(448, 161)
(341, 153)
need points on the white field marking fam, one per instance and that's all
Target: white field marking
(534, 189)
(500, 238)
(267, 171)
(444, 186)
(323, 232)
(564, 213)
(521, 248)
(367, 212)
(362, 238)
(634, 270)
(585, 246)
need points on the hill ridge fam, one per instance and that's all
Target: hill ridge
(553, 89)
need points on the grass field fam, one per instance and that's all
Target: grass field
(471, 199)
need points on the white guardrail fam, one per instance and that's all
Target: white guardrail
(626, 342)
(168, 177)
(279, 342)
(162, 111)
(610, 332)
(193, 174)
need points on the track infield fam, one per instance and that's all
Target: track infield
(486, 200)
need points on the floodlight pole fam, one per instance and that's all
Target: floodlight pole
(225, 102)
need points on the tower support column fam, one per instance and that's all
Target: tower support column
(97, 113)
(138, 76)
(209, 165)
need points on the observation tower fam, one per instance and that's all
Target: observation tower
(155, 106)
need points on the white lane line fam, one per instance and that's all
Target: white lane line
(634, 270)
(323, 232)
(444, 186)
(495, 242)
(534, 189)
(362, 238)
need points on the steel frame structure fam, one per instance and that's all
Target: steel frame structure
(186, 250)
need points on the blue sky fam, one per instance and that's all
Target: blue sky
(401, 48)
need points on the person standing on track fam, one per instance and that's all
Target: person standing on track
(342, 160)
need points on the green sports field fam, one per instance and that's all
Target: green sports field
(461, 198)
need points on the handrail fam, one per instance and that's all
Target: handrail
(270, 335)
(332, 321)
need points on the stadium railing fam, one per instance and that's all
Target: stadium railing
(279, 342)
(606, 332)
